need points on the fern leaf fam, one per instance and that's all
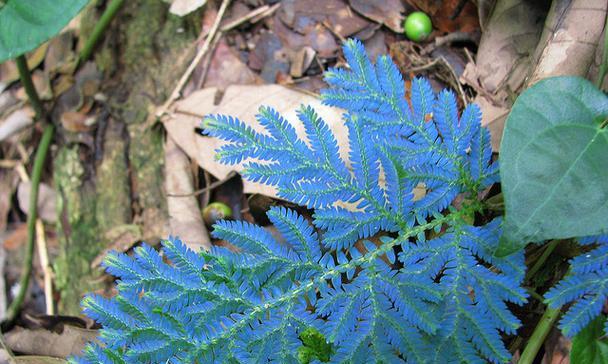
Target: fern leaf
(586, 287)
(428, 290)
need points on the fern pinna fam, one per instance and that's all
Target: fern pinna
(428, 290)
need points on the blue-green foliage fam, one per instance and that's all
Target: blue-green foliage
(586, 286)
(428, 291)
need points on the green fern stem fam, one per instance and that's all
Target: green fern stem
(544, 326)
(312, 284)
(28, 85)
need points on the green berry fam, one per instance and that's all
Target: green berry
(216, 211)
(417, 26)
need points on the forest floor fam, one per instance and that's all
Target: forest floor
(128, 164)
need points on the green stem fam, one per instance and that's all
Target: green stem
(604, 65)
(539, 335)
(28, 85)
(542, 259)
(99, 29)
(43, 148)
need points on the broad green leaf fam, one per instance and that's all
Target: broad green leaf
(554, 163)
(25, 24)
(590, 346)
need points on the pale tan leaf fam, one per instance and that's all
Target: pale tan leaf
(44, 342)
(184, 7)
(47, 200)
(184, 212)
(243, 102)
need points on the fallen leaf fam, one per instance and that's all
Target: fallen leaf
(121, 238)
(42, 84)
(569, 40)
(44, 342)
(509, 40)
(15, 122)
(303, 15)
(184, 7)
(386, 12)
(317, 37)
(47, 200)
(77, 122)
(15, 238)
(226, 68)
(243, 102)
(60, 57)
(9, 72)
(185, 218)
(36, 359)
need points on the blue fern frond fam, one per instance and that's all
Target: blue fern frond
(394, 148)
(586, 287)
(389, 270)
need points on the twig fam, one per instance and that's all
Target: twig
(451, 38)
(182, 81)
(205, 189)
(207, 60)
(46, 267)
(28, 85)
(99, 29)
(43, 147)
(252, 14)
(331, 29)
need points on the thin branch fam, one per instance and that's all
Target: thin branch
(186, 76)
(205, 189)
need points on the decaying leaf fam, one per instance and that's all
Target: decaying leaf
(47, 200)
(570, 38)
(184, 212)
(242, 102)
(70, 341)
(15, 122)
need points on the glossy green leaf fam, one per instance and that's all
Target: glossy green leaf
(25, 24)
(590, 346)
(554, 163)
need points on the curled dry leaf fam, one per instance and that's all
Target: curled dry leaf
(47, 200)
(243, 102)
(570, 39)
(15, 122)
(184, 212)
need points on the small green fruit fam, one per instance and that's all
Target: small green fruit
(418, 26)
(216, 211)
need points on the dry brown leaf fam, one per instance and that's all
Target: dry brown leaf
(243, 102)
(47, 200)
(570, 39)
(15, 122)
(185, 219)
(389, 13)
(509, 40)
(44, 342)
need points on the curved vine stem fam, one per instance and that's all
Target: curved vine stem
(43, 148)
(28, 85)
(41, 152)
(100, 28)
